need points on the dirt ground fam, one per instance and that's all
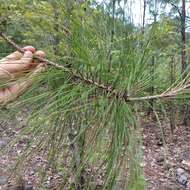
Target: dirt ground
(166, 163)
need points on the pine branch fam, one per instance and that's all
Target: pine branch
(171, 94)
(108, 89)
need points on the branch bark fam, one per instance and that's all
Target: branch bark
(108, 89)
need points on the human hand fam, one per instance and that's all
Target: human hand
(18, 64)
(14, 67)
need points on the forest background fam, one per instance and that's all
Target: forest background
(116, 73)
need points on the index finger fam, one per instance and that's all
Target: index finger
(29, 48)
(16, 55)
(13, 56)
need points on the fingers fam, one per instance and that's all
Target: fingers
(26, 58)
(40, 54)
(9, 94)
(19, 58)
(18, 66)
(39, 69)
(29, 48)
(13, 56)
(13, 68)
(16, 55)
(40, 64)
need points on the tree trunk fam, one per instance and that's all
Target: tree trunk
(112, 35)
(172, 105)
(56, 29)
(69, 4)
(152, 72)
(144, 16)
(186, 108)
(183, 40)
(76, 147)
(152, 69)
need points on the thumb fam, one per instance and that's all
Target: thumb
(40, 68)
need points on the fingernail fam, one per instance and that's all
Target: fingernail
(28, 54)
(29, 48)
(40, 54)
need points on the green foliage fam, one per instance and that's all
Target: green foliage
(70, 118)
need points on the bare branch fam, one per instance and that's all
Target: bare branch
(177, 8)
(169, 95)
